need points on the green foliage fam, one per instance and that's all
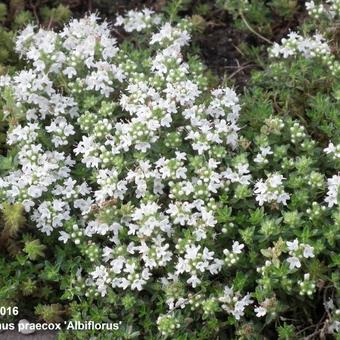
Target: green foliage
(22, 18)
(303, 90)
(34, 249)
(3, 12)
(286, 332)
(50, 313)
(7, 54)
(14, 219)
(55, 16)
(16, 15)
(295, 91)
(259, 14)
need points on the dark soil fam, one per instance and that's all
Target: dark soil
(218, 49)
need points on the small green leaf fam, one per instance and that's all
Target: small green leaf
(34, 249)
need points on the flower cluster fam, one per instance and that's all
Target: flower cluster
(138, 20)
(267, 307)
(271, 190)
(295, 43)
(234, 303)
(333, 150)
(334, 316)
(330, 9)
(231, 257)
(314, 10)
(309, 47)
(298, 251)
(117, 153)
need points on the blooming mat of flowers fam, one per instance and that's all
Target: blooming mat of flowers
(138, 163)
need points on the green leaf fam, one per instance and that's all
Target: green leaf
(34, 249)
(6, 163)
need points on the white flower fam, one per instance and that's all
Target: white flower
(241, 175)
(333, 184)
(64, 237)
(271, 190)
(70, 72)
(329, 305)
(237, 247)
(293, 246)
(260, 311)
(194, 281)
(233, 303)
(308, 251)
(310, 5)
(294, 262)
(261, 157)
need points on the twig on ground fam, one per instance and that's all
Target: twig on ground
(89, 6)
(50, 22)
(34, 10)
(253, 31)
(240, 68)
(322, 325)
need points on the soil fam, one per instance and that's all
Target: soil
(218, 49)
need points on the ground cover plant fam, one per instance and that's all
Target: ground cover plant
(140, 187)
